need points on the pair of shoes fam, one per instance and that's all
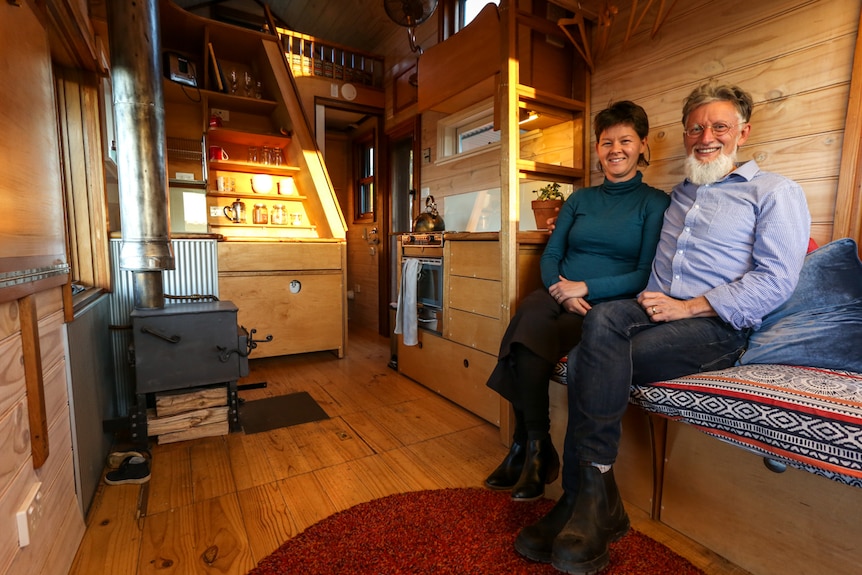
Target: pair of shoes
(541, 466)
(135, 469)
(507, 473)
(599, 518)
(116, 458)
(574, 536)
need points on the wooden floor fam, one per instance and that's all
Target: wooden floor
(219, 505)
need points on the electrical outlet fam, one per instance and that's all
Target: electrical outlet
(215, 211)
(223, 114)
(29, 515)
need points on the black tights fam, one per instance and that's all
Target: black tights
(532, 374)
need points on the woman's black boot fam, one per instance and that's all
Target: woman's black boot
(598, 519)
(536, 541)
(541, 466)
(507, 473)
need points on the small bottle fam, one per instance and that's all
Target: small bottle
(279, 215)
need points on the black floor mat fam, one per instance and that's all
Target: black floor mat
(279, 411)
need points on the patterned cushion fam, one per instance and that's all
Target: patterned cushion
(808, 418)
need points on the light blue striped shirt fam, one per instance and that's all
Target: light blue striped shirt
(740, 242)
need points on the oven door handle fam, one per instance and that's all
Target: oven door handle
(427, 261)
(167, 338)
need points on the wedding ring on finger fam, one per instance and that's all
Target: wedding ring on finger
(653, 310)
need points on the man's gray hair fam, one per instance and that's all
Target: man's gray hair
(708, 93)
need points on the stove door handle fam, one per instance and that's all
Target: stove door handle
(167, 338)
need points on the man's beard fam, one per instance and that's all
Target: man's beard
(701, 173)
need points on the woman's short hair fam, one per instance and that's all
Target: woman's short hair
(708, 93)
(623, 112)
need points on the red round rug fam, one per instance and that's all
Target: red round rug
(446, 531)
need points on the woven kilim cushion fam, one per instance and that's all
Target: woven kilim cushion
(808, 418)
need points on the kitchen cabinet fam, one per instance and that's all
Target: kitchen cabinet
(292, 291)
(457, 363)
(285, 270)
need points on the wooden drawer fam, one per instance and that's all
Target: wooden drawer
(475, 296)
(768, 523)
(472, 330)
(308, 320)
(474, 259)
(456, 372)
(270, 256)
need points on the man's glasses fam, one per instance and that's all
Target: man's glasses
(718, 129)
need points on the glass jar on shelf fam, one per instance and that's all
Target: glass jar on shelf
(279, 215)
(260, 214)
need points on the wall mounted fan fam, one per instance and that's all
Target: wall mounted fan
(410, 13)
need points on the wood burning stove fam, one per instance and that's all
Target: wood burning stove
(187, 345)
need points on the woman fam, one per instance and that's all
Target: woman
(601, 249)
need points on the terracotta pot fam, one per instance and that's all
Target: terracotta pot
(543, 210)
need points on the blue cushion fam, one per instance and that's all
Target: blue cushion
(821, 324)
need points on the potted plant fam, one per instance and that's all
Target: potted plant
(549, 199)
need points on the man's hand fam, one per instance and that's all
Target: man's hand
(661, 307)
(552, 222)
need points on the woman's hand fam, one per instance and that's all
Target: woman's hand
(577, 305)
(661, 307)
(565, 290)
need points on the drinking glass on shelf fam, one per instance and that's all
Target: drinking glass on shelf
(266, 156)
(253, 154)
(249, 84)
(233, 80)
(277, 157)
(258, 91)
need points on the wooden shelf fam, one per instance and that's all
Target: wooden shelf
(239, 103)
(226, 135)
(264, 226)
(270, 196)
(252, 168)
(541, 171)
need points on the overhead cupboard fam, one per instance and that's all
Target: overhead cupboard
(237, 133)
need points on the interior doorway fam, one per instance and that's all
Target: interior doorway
(349, 137)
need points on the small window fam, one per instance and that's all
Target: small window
(364, 192)
(471, 130)
(468, 9)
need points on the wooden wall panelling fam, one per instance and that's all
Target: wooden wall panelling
(848, 206)
(798, 119)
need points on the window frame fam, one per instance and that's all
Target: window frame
(364, 178)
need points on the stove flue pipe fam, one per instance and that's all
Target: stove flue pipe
(139, 115)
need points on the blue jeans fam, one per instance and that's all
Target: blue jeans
(620, 346)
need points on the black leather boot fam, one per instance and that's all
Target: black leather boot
(536, 541)
(507, 473)
(541, 466)
(598, 519)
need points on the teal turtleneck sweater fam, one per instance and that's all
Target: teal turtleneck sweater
(606, 236)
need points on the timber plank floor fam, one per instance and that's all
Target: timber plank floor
(220, 504)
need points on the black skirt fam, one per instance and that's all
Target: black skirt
(545, 328)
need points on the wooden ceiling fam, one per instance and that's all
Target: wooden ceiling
(363, 24)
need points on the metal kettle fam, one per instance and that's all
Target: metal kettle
(235, 212)
(429, 220)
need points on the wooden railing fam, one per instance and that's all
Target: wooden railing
(310, 56)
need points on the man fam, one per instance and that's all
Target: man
(732, 245)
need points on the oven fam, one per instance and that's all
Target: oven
(427, 249)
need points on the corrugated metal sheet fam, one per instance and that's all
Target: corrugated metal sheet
(196, 274)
